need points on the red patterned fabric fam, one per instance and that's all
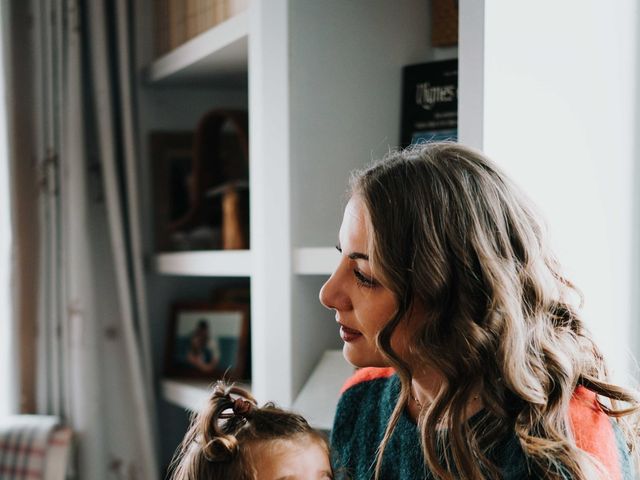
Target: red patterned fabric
(33, 447)
(593, 431)
(366, 374)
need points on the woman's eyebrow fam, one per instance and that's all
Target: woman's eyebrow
(354, 255)
(358, 256)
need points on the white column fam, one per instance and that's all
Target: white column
(270, 201)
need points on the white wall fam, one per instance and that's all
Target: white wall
(560, 85)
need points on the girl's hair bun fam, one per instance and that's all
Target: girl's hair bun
(243, 407)
(220, 449)
(229, 409)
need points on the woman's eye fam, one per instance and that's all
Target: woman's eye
(363, 280)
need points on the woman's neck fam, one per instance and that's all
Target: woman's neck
(425, 387)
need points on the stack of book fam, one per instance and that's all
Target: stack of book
(176, 21)
(429, 102)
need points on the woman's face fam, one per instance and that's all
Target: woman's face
(362, 305)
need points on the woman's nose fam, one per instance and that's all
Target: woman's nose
(325, 294)
(333, 293)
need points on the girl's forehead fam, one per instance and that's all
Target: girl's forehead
(298, 441)
(303, 457)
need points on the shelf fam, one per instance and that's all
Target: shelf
(217, 263)
(189, 394)
(315, 261)
(218, 55)
(319, 397)
(237, 263)
(317, 400)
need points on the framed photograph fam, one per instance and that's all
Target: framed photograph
(208, 341)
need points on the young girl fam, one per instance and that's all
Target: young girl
(234, 439)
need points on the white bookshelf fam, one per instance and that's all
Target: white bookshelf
(214, 263)
(322, 83)
(219, 55)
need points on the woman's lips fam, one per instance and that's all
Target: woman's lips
(349, 334)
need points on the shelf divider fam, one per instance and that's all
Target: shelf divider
(206, 263)
(218, 55)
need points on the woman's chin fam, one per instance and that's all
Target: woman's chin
(361, 357)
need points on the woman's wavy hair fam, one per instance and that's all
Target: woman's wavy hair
(219, 442)
(450, 231)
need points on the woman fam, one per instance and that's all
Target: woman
(482, 365)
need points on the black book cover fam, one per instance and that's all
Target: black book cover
(429, 102)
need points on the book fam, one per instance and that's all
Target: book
(429, 102)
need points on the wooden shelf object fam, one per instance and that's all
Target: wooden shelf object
(216, 263)
(219, 55)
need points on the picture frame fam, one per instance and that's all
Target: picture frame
(208, 341)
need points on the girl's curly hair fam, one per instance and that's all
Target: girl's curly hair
(219, 440)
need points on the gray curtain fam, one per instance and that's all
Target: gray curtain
(94, 362)
(8, 329)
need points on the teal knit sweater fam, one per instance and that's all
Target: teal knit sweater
(361, 418)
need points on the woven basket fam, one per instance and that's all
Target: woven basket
(444, 23)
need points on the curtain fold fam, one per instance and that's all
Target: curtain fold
(8, 329)
(94, 366)
(110, 38)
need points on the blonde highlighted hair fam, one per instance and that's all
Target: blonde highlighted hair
(451, 231)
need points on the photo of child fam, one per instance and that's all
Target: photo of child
(207, 342)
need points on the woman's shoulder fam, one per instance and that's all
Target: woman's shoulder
(362, 393)
(367, 378)
(362, 397)
(598, 434)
